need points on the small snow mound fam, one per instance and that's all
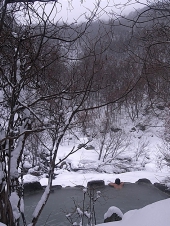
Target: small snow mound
(27, 165)
(30, 178)
(151, 167)
(111, 210)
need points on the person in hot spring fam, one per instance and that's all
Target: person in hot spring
(118, 184)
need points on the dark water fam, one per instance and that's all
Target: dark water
(131, 196)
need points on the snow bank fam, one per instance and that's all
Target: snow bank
(77, 178)
(156, 214)
(14, 199)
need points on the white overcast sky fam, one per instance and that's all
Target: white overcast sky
(70, 12)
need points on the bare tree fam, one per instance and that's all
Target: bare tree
(42, 89)
(37, 92)
(51, 73)
(84, 213)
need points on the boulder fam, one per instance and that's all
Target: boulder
(115, 130)
(90, 147)
(160, 107)
(79, 186)
(32, 187)
(143, 181)
(141, 127)
(113, 214)
(133, 129)
(113, 217)
(95, 184)
(56, 187)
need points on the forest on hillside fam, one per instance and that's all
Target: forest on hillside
(58, 78)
